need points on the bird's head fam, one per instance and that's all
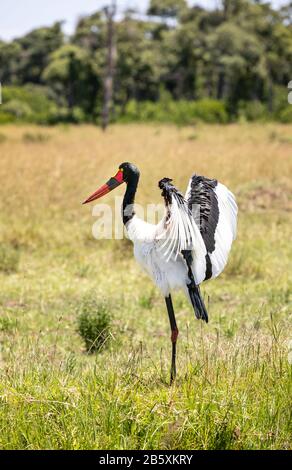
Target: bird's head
(127, 173)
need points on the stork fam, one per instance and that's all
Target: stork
(189, 245)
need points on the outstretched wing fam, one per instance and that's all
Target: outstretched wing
(215, 210)
(178, 230)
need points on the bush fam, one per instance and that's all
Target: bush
(18, 109)
(279, 99)
(30, 103)
(9, 258)
(211, 111)
(94, 323)
(179, 112)
(64, 115)
(6, 118)
(253, 111)
(285, 116)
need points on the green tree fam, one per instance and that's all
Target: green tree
(239, 53)
(138, 62)
(9, 62)
(167, 8)
(90, 32)
(71, 74)
(36, 48)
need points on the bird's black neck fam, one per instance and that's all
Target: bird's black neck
(129, 199)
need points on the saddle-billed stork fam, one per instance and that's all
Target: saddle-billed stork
(189, 245)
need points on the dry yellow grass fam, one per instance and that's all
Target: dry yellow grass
(234, 379)
(82, 157)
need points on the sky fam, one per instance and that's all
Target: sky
(18, 17)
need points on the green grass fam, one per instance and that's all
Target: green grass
(233, 389)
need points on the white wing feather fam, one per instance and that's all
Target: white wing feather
(226, 229)
(177, 232)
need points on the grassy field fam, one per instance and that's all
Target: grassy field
(233, 389)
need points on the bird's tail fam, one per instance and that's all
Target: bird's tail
(197, 302)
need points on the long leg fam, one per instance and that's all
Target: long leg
(174, 335)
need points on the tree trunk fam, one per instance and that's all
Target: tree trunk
(110, 66)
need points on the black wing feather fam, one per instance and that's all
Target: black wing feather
(202, 195)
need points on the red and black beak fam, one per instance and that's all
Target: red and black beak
(113, 183)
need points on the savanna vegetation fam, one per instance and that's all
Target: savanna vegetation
(84, 335)
(178, 63)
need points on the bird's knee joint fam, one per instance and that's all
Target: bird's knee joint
(174, 335)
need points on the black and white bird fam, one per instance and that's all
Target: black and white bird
(189, 245)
